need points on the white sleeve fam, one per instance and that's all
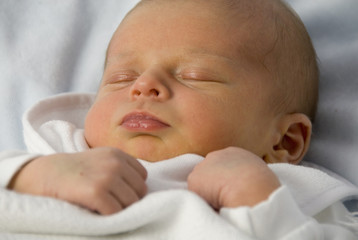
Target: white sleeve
(11, 162)
(280, 218)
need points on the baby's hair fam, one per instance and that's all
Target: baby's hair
(294, 62)
(279, 41)
(282, 44)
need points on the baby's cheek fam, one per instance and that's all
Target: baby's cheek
(97, 125)
(208, 133)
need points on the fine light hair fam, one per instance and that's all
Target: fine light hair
(280, 42)
(294, 61)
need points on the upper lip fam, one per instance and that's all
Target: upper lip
(136, 115)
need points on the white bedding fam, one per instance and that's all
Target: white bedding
(47, 47)
(168, 211)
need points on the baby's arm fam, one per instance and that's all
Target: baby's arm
(249, 196)
(104, 180)
(233, 177)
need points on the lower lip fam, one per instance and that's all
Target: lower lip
(145, 125)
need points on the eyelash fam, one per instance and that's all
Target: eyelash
(184, 76)
(193, 77)
(197, 77)
(123, 78)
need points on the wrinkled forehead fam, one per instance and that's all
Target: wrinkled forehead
(247, 31)
(249, 23)
(256, 14)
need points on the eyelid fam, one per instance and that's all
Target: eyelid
(198, 74)
(122, 76)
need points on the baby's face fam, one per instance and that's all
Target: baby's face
(176, 81)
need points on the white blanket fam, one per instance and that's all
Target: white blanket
(169, 211)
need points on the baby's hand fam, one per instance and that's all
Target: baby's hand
(104, 180)
(232, 177)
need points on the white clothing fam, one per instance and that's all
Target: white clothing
(307, 206)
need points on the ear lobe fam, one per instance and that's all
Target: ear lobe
(295, 135)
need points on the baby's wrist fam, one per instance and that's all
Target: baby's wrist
(251, 194)
(22, 179)
(250, 199)
(15, 182)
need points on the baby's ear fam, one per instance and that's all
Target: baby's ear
(293, 135)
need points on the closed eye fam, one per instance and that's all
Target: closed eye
(122, 77)
(199, 76)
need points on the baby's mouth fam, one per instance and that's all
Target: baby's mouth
(142, 121)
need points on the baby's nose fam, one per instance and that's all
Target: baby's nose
(150, 86)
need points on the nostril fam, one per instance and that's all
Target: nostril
(151, 93)
(154, 92)
(136, 92)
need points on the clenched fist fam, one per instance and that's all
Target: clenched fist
(232, 177)
(103, 180)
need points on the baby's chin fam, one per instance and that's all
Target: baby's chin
(150, 149)
(155, 156)
(154, 149)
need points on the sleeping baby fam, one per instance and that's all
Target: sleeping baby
(215, 97)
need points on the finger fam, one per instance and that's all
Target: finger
(124, 193)
(113, 153)
(134, 180)
(137, 166)
(95, 200)
(106, 204)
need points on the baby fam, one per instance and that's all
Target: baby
(202, 95)
(233, 81)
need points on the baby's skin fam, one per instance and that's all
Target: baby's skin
(107, 180)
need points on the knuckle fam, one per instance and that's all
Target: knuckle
(111, 166)
(94, 190)
(103, 178)
(114, 164)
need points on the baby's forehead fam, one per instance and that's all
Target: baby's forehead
(251, 22)
(220, 10)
